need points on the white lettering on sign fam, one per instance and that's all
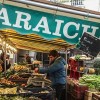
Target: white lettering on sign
(86, 40)
(65, 30)
(86, 27)
(57, 32)
(94, 30)
(19, 19)
(42, 24)
(22, 20)
(4, 16)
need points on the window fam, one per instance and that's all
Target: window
(76, 2)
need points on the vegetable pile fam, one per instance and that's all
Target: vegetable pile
(19, 98)
(92, 81)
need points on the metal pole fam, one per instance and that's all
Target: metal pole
(42, 57)
(5, 49)
(55, 7)
(15, 57)
(66, 74)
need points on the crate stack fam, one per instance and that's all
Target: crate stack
(79, 91)
(75, 91)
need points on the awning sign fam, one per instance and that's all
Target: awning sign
(47, 25)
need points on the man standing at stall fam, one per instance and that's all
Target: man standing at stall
(57, 74)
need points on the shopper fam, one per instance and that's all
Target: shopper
(8, 62)
(28, 59)
(3, 60)
(1, 65)
(56, 73)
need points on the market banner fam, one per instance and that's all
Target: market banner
(47, 25)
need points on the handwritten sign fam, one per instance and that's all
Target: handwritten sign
(89, 44)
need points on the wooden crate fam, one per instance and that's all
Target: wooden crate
(88, 95)
(96, 96)
(81, 88)
(78, 95)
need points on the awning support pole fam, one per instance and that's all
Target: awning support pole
(66, 73)
(5, 53)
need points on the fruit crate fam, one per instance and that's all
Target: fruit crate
(71, 88)
(68, 87)
(80, 88)
(46, 93)
(78, 95)
(88, 95)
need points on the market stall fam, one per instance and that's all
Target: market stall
(21, 82)
(31, 26)
(83, 80)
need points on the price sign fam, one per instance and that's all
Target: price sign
(89, 44)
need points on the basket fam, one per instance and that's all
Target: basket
(22, 95)
(17, 81)
(25, 75)
(37, 91)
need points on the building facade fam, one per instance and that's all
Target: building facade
(87, 4)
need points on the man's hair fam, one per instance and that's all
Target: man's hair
(53, 53)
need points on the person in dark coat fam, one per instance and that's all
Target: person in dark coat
(8, 63)
(28, 59)
(57, 74)
(2, 58)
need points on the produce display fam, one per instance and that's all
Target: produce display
(35, 90)
(96, 65)
(8, 90)
(16, 77)
(16, 84)
(20, 68)
(81, 57)
(6, 82)
(84, 75)
(38, 80)
(91, 70)
(92, 81)
(19, 98)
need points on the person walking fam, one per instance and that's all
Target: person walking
(57, 74)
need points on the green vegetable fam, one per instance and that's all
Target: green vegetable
(92, 81)
(77, 57)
